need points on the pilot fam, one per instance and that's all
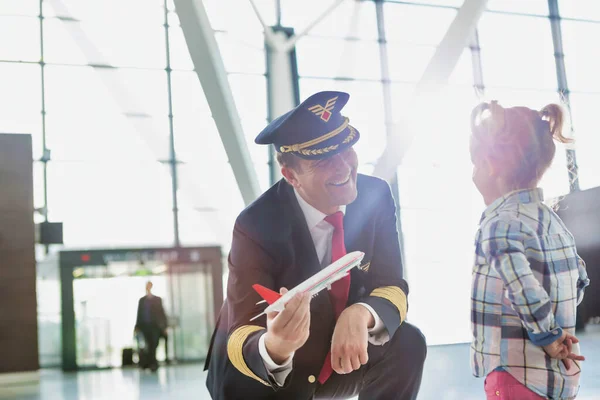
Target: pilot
(350, 340)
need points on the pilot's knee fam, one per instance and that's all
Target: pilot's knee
(412, 342)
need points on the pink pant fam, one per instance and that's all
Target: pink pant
(500, 385)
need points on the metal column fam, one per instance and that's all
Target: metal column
(282, 85)
(563, 88)
(208, 64)
(389, 124)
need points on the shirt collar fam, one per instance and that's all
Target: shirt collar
(521, 196)
(311, 214)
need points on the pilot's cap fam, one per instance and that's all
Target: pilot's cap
(313, 130)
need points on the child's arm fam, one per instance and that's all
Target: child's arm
(583, 280)
(504, 249)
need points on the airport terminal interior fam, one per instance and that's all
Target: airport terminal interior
(127, 152)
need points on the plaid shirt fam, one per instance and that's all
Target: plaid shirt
(527, 282)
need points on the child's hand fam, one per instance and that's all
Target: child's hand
(561, 349)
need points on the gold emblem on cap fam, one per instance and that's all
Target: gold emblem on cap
(311, 378)
(324, 112)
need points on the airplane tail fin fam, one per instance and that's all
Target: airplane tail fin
(267, 294)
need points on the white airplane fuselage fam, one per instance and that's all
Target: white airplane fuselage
(321, 280)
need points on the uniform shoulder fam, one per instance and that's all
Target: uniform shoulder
(372, 183)
(264, 212)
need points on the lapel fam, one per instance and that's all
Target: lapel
(305, 254)
(356, 221)
(352, 226)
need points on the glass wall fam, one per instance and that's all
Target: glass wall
(98, 103)
(378, 51)
(580, 29)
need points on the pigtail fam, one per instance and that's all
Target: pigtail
(554, 114)
(487, 119)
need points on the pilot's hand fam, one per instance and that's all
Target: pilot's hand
(288, 330)
(350, 339)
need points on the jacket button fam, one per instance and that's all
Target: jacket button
(311, 378)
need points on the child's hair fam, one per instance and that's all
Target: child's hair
(516, 142)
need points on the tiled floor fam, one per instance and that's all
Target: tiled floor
(446, 377)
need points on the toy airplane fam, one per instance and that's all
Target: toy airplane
(321, 280)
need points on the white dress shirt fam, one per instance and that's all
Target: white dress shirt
(321, 232)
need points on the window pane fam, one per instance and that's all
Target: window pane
(581, 62)
(408, 63)
(133, 10)
(440, 206)
(522, 56)
(59, 46)
(584, 9)
(401, 98)
(440, 130)
(252, 127)
(442, 118)
(366, 98)
(188, 96)
(196, 135)
(48, 294)
(431, 239)
(109, 204)
(584, 108)
(335, 58)
(38, 185)
(250, 95)
(120, 45)
(180, 55)
(555, 180)
(241, 54)
(463, 72)
(20, 103)
(538, 7)
(87, 117)
(24, 42)
(349, 19)
(138, 91)
(449, 3)
(214, 193)
(197, 139)
(243, 20)
(249, 92)
(262, 170)
(415, 24)
(20, 7)
(198, 227)
(373, 138)
(535, 99)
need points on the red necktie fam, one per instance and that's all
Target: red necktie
(339, 289)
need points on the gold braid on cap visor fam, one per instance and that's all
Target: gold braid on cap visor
(301, 147)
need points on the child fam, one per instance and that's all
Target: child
(527, 278)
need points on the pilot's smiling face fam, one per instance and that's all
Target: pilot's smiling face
(326, 184)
